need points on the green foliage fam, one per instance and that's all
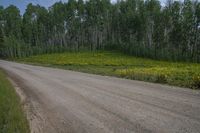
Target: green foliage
(161, 78)
(117, 64)
(196, 81)
(12, 118)
(1, 42)
(12, 24)
(142, 28)
(14, 48)
(1, 38)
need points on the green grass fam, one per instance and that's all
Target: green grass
(12, 118)
(120, 65)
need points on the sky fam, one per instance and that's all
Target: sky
(21, 4)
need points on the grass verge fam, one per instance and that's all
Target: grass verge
(12, 118)
(120, 65)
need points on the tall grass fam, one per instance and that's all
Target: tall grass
(12, 118)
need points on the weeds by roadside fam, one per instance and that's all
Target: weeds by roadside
(12, 118)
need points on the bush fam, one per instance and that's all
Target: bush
(196, 82)
(161, 78)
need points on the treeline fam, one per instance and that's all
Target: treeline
(136, 27)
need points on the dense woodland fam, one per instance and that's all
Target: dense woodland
(136, 27)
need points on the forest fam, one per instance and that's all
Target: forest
(142, 28)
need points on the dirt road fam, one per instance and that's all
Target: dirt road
(61, 101)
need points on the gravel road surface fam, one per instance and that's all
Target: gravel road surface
(62, 101)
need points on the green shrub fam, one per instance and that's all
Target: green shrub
(196, 81)
(161, 78)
